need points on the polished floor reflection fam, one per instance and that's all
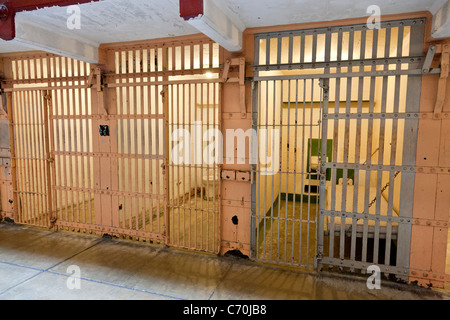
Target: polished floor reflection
(43, 265)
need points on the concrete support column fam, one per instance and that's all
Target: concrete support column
(236, 194)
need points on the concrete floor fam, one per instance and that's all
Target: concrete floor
(34, 264)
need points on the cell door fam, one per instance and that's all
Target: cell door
(30, 153)
(49, 119)
(371, 90)
(286, 189)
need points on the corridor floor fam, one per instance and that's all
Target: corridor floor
(40, 265)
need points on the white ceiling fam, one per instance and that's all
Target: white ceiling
(127, 20)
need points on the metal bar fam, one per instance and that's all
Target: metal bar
(287, 169)
(409, 152)
(320, 227)
(279, 176)
(364, 265)
(34, 151)
(273, 178)
(380, 73)
(303, 172)
(112, 230)
(309, 176)
(314, 48)
(189, 169)
(358, 151)
(28, 140)
(12, 142)
(346, 155)
(302, 48)
(295, 166)
(47, 138)
(265, 176)
(335, 144)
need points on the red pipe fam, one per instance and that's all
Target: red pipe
(191, 8)
(9, 8)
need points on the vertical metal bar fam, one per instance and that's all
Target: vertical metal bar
(196, 182)
(89, 149)
(320, 225)
(34, 155)
(44, 216)
(202, 62)
(302, 48)
(136, 153)
(181, 104)
(279, 50)
(58, 161)
(189, 126)
(150, 161)
(43, 197)
(357, 161)
(12, 142)
(314, 47)
(302, 173)
(273, 178)
(176, 101)
(409, 152)
(52, 182)
(382, 133)
(211, 53)
(129, 160)
(279, 176)
(358, 149)
(155, 163)
(265, 176)
(287, 172)
(83, 150)
(323, 171)
(202, 94)
(162, 150)
(295, 169)
(76, 149)
(46, 97)
(207, 167)
(18, 122)
(291, 49)
(215, 126)
(29, 155)
(308, 223)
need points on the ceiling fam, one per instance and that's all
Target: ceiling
(127, 20)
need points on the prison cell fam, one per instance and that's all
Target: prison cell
(31, 118)
(92, 151)
(194, 192)
(359, 88)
